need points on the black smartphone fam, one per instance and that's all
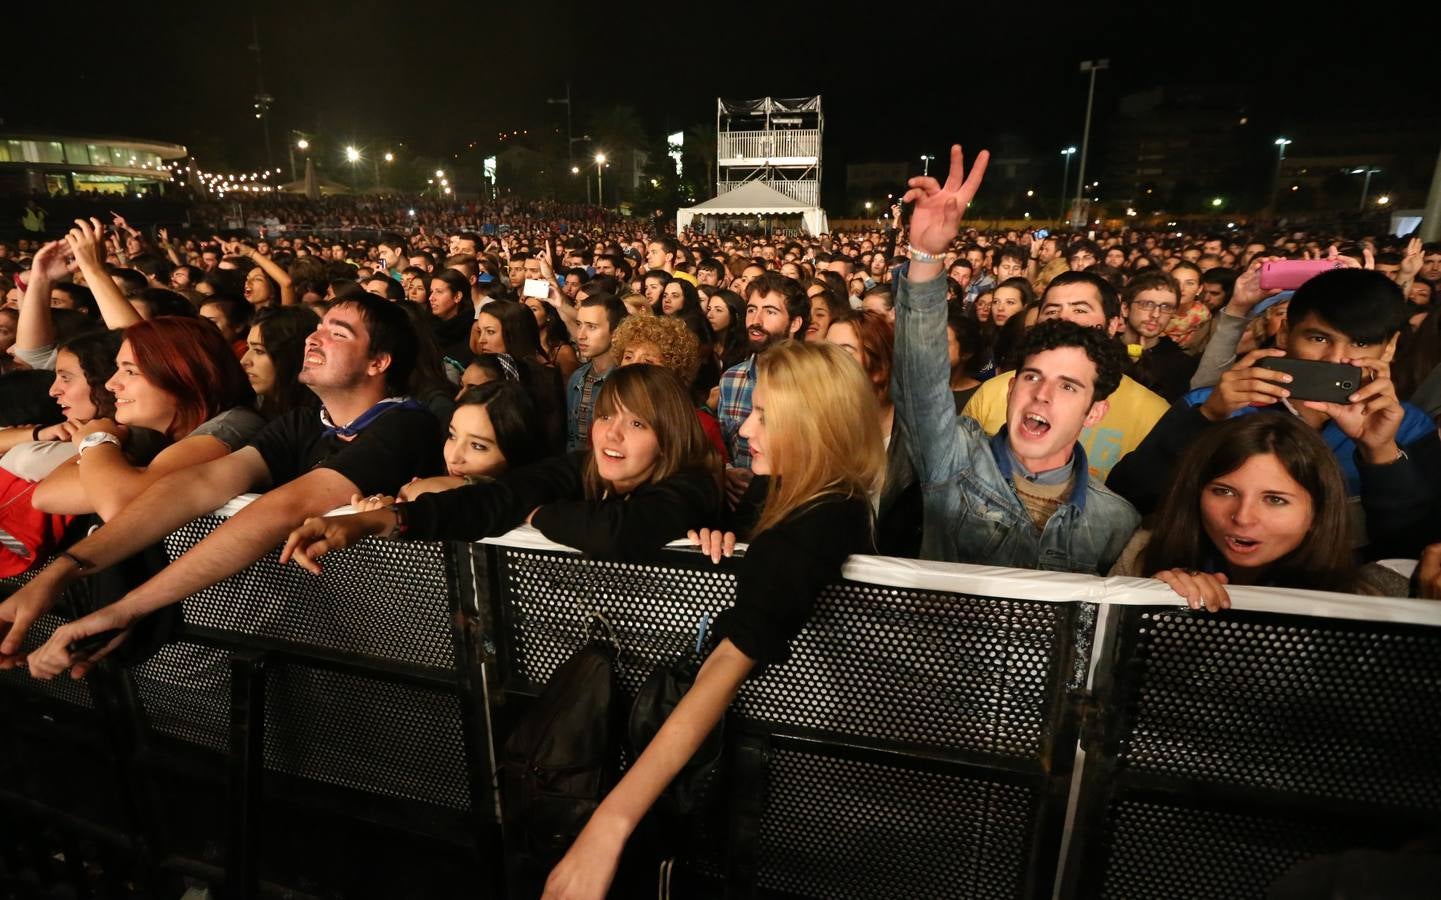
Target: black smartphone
(1312, 380)
(88, 645)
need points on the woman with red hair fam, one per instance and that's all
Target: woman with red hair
(869, 338)
(175, 377)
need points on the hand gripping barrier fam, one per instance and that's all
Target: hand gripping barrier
(940, 731)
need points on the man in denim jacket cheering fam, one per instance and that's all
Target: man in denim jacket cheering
(1025, 497)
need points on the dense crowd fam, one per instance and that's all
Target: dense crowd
(924, 390)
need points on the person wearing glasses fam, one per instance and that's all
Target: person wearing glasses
(1157, 362)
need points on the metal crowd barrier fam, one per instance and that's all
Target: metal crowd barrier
(940, 730)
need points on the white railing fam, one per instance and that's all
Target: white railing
(808, 192)
(752, 145)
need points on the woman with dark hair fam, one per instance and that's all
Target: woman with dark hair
(491, 432)
(232, 316)
(726, 312)
(826, 307)
(555, 346)
(175, 376)
(679, 294)
(649, 477)
(1255, 500)
(969, 356)
(275, 350)
(506, 327)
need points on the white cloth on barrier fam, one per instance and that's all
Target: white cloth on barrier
(1055, 587)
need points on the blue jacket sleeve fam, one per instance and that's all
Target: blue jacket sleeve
(920, 380)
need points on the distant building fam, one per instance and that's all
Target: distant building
(871, 182)
(55, 165)
(1172, 148)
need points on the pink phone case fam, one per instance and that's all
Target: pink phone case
(1289, 274)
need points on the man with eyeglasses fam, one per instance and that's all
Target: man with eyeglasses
(1156, 361)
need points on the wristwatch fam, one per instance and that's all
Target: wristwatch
(96, 439)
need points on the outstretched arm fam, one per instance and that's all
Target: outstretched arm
(84, 241)
(920, 383)
(236, 544)
(34, 328)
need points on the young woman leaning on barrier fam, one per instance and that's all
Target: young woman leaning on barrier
(815, 430)
(649, 477)
(176, 376)
(1257, 500)
(492, 431)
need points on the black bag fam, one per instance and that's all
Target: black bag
(557, 765)
(657, 699)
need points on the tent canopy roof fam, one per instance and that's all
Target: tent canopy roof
(751, 197)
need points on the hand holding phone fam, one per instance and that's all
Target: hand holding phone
(1289, 274)
(1323, 382)
(1370, 415)
(538, 288)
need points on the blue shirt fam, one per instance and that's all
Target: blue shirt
(1414, 426)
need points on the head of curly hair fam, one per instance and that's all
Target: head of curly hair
(678, 347)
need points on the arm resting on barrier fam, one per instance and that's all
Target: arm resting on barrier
(588, 867)
(237, 543)
(165, 506)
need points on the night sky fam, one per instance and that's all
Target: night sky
(896, 82)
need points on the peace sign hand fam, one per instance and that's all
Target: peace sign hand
(936, 216)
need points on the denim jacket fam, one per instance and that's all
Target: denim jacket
(972, 512)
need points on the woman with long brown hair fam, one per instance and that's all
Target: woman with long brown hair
(1256, 500)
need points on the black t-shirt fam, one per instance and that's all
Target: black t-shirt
(784, 570)
(399, 445)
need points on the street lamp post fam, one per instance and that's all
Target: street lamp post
(352, 156)
(926, 163)
(599, 193)
(1281, 145)
(1368, 171)
(1092, 66)
(1065, 177)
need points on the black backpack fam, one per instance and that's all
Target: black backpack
(558, 764)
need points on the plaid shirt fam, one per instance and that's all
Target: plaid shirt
(580, 397)
(736, 385)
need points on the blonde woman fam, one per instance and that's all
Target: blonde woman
(815, 430)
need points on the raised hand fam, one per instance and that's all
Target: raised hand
(84, 242)
(52, 261)
(1247, 292)
(938, 210)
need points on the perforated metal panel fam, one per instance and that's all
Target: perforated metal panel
(382, 737)
(1325, 708)
(185, 691)
(385, 599)
(653, 609)
(984, 664)
(838, 828)
(1160, 850)
(63, 687)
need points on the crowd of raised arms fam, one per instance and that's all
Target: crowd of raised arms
(927, 391)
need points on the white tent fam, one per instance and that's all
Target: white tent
(754, 198)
